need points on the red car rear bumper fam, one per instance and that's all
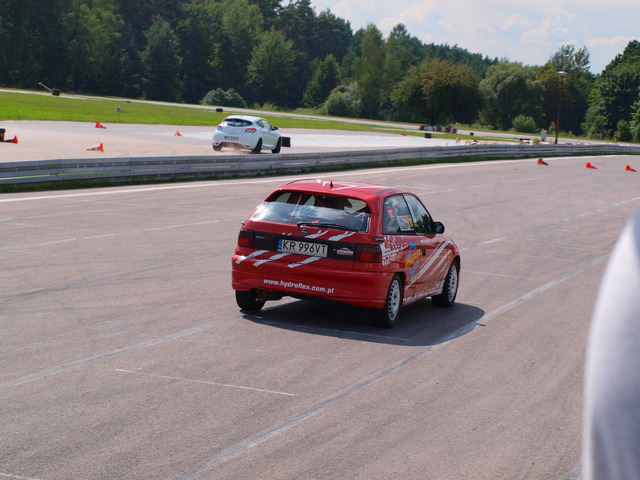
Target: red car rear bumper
(361, 288)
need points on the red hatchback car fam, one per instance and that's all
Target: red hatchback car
(367, 245)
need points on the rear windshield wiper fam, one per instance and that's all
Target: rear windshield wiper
(337, 226)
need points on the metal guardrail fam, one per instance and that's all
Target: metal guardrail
(140, 168)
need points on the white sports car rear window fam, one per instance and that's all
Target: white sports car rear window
(237, 122)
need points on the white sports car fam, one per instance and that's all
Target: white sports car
(246, 132)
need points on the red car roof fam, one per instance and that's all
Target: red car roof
(363, 191)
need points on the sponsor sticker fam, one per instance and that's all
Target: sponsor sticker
(299, 286)
(414, 255)
(390, 213)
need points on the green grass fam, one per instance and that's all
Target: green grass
(20, 106)
(39, 106)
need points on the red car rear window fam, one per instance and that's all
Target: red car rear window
(297, 207)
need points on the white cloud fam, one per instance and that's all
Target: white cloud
(617, 41)
(555, 25)
(352, 10)
(603, 4)
(415, 12)
(480, 28)
(514, 21)
(520, 30)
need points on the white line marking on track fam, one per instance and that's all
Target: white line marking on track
(106, 278)
(240, 182)
(204, 382)
(542, 288)
(485, 185)
(511, 254)
(243, 446)
(496, 275)
(114, 234)
(111, 354)
(16, 477)
(553, 224)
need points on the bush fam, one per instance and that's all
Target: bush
(596, 126)
(525, 124)
(230, 98)
(343, 101)
(270, 107)
(623, 133)
(636, 133)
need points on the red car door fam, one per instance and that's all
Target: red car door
(432, 261)
(400, 250)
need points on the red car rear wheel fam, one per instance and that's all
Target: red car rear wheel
(248, 300)
(388, 316)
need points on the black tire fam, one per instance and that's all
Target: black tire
(278, 146)
(450, 289)
(388, 316)
(258, 147)
(248, 301)
(217, 148)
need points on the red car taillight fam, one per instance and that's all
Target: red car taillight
(218, 127)
(368, 253)
(250, 130)
(245, 238)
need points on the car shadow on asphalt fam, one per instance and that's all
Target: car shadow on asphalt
(420, 324)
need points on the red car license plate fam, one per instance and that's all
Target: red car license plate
(302, 248)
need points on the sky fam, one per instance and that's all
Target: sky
(525, 31)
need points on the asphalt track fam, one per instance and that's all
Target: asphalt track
(123, 354)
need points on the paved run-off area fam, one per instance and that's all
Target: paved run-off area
(61, 140)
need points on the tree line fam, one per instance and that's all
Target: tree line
(261, 53)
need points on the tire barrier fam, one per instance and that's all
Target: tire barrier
(432, 128)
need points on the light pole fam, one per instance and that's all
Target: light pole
(562, 74)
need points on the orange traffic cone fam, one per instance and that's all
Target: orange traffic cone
(13, 140)
(629, 169)
(542, 162)
(97, 147)
(99, 125)
(177, 134)
(589, 165)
